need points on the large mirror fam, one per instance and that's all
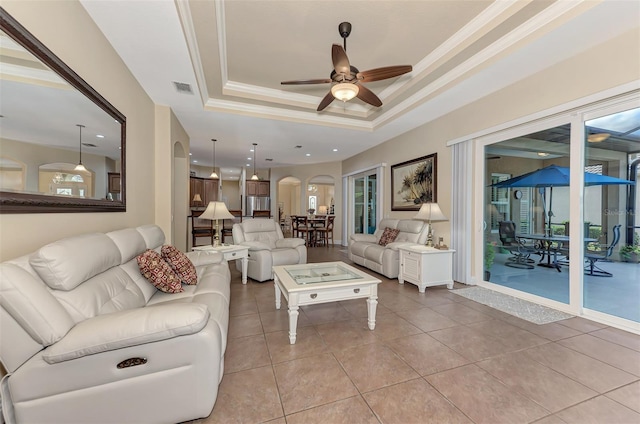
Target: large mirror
(62, 145)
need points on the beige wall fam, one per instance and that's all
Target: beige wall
(305, 173)
(567, 81)
(231, 192)
(57, 24)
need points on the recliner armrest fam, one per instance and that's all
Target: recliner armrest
(364, 237)
(396, 244)
(255, 245)
(128, 328)
(289, 242)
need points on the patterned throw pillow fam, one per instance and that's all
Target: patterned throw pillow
(388, 236)
(158, 272)
(181, 265)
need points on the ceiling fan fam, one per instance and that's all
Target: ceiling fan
(347, 79)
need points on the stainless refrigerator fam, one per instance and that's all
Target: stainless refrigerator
(255, 203)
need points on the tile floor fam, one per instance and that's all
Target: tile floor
(432, 358)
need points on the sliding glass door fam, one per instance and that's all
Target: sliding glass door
(365, 201)
(612, 226)
(560, 212)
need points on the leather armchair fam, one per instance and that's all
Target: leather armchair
(267, 247)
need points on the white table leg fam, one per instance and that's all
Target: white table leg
(245, 263)
(372, 303)
(293, 323)
(277, 294)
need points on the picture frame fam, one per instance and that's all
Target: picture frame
(414, 182)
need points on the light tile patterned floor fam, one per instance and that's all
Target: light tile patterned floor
(434, 357)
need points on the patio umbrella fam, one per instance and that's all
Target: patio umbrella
(556, 176)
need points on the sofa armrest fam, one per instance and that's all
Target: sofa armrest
(289, 242)
(396, 244)
(364, 237)
(255, 245)
(204, 257)
(128, 328)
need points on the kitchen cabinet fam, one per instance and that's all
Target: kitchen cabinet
(207, 188)
(258, 188)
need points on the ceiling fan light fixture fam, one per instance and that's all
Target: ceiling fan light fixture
(598, 138)
(345, 91)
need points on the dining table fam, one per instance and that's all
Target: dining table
(546, 243)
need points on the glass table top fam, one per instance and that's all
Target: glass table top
(321, 274)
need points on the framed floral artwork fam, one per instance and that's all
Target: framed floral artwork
(413, 183)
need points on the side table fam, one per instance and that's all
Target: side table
(426, 267)
(230, 252)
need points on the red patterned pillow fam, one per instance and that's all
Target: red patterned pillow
(181, 265)
(158, 272)
(388, 236)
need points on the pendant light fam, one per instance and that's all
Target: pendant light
(254, 177)
(80, 167)
(213, 170)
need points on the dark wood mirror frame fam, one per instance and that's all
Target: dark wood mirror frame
(11, 202)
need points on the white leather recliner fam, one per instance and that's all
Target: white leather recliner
(267, 247)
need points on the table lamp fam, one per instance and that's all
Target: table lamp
(214, 212)
(322, 210)
(430, 212)
(197, 198)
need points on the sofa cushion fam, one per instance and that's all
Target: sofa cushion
(129, 241)
(180, 264)
(374, 252)
(31, 304)
(66, 263)
(152, 234)
(158, 272)
(388, 236)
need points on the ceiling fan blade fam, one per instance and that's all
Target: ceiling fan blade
(340, 60)
(383, 73)
(311, 81)
(367, 96)
(326, 101)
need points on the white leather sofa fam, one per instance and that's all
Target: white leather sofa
(76, 311)
(267, 247)
(365, 250)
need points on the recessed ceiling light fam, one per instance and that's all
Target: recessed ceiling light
(248, 158)
(308, 154)
(335, 150)
(195, 161)
(251, 150)
(190, 154)
(99, 136)
(543, 154)
(248, 165)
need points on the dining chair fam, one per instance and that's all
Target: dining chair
(305, 229)
(325, 233)
(200, 227)
(228, 223)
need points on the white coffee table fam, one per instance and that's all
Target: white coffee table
(230, 252)
(309, 284)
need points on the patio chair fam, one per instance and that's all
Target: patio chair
(600, 255)
(520, 250)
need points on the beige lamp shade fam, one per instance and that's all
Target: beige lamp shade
(430, 212)
(215, 211)
(197, 198)
(322, 210)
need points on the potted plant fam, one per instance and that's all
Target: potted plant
(631, 252)
(489, 256)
